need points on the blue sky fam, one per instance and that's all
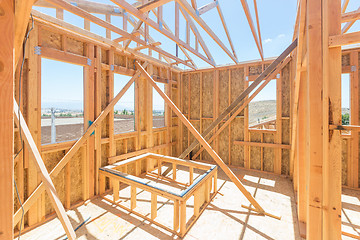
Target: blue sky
(277, 18)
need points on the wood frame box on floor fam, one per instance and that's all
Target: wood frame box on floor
(203, 188)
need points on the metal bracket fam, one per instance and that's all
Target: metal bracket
(112, 67)
(89, 61)
(37, 50)
(353, 68)
(160, 25)
(117, 10)
(74, 4)
(247, 78)
(278, 75)
(197, 13)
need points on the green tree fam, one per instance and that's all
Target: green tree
(345, 118)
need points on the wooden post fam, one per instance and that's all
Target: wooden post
(301, 149)
(182, 218)
(331, 25)
(153, 206)
(176, 215)
(314, 121)
(7, 58)
(116, 189)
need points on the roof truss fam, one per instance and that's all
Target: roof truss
(141, 16)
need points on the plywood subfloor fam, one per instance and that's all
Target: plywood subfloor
(224, 218)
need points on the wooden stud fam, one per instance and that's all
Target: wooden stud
(354, 120)
(278, 136)
(97, 113)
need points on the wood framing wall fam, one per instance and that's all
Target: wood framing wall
(206, 93)
(78, 181)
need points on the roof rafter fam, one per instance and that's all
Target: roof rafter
(226, 28)
(252, 27)
(201, 22)
(141, 16)
(181, 47)
(197, 34)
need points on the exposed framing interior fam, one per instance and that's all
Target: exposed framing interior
(205, 109)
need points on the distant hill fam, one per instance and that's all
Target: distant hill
(262, 110)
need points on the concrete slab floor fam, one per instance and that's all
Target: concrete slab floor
(224, 218)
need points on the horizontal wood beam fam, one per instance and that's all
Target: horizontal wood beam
(345, 127)
(62, 56)
(344, 39)
(136, 153)
(259, 144)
